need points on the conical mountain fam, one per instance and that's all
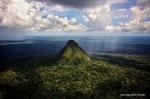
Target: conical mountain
(72, 53)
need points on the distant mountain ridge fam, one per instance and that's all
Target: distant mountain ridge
(72, 53)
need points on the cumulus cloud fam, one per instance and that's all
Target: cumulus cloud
(115, 1)
(137, 23)
(20, 13)
(39, 15)
(98, 17)
(139, 18)
(111, 28)
(56, 23)
(140, 12)
(120, 13)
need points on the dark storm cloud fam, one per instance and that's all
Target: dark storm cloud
(75, 3)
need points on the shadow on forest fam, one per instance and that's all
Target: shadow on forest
(27, 63)
(125, 62)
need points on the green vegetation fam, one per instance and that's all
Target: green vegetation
(94, 80)
(77, 76)
(140, 62)
(72, 53)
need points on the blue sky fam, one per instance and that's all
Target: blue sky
(73, 16)
(126, 5)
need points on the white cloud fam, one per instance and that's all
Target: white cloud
(56, 8)
(99, 17)
(110, 2)
(23, 14)
(64, 24)
(111, 28)
(120, 13)
(56, 23)
(85, 18)
(18, 13)
(138, 23)
(29, 15)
